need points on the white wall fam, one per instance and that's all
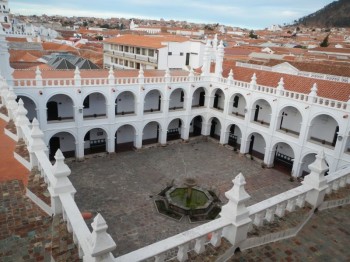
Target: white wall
(97, 105)
(259, 143)
(176, 60)
(67, 141)
(150, 131)
(126, 102)
(264, 113)
(195, 97)
(242, 104)
(292, 120)
(323, 127)
(151, 100)
(174, 124)
(64, 105)
(285, 149)
(175, 99)
(125, 134)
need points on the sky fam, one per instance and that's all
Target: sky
(252, 14)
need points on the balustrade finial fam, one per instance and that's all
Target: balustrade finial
(60, 169)
(102, 242)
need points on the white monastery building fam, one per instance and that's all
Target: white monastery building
(152, 52)
(285, 118)
(92, 111)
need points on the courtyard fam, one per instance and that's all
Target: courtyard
(122, 187)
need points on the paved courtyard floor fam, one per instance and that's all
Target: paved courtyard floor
(121, 186)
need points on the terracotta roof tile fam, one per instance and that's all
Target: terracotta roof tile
(146, 40)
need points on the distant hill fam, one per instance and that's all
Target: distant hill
(336, 14)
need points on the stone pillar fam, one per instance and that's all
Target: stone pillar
(111, 77)
(253, 82)
(138, 143)
(280, 87)
(206, 129)
(317, 180)
(5, 68)
(163, 136)
(11, 104)
(313, 94)
(21, 119)
(37, 142)
(102, 243)
(219, 60)
(4, 89)
(77, 77)
(230, 78)
(236, 212)
(62, 184)
(38, 77)
(206, 59)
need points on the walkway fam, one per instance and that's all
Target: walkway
(10, 168)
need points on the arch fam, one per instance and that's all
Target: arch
(256, 145)
(324, 130)
(95, 141)
(261, 112)
(284, 157)
(237, 105)
(125, 138)
(233, 136)
(151, 133)
(289, 120)
(125, 103)
(175, 129)
(215, 128)
(94, 105)
(196, 125)
(60, 107)
(177, 99)
(29, 105)
(308, 159)
(199, 97)
(153, 101)
(217, 99)
(65, 141)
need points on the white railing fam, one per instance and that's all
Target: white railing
(265, 210)
(179, 79)
(181, 241)
(320, 76)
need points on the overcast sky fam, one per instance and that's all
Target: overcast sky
(244, 13)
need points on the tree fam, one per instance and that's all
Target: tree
(252, 35)
(325, 43)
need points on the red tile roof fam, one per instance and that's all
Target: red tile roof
(146, 40)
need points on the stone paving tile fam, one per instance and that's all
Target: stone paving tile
(29, 234)
(37, 185)
(21, 149)
(10, 168)
(121, 186)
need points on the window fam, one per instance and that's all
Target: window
(126, 49)
(170, 53)
(126, 62)
(143, 51)
(182, 96)
(86, 102)
(138, 50)
(181, 54)
(150, 52)
(132, 64)
(121, 48)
